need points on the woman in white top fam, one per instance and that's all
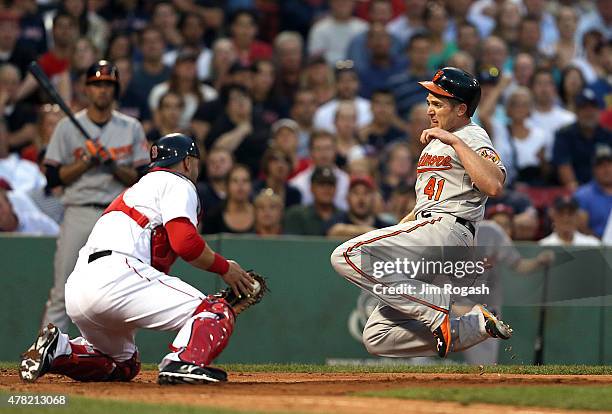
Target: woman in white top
(528, 146)
(349, 147)
(183, 81)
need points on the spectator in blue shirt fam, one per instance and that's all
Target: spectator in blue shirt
(405, 85)
(603, 85)
(381, 12)
(381, 64)
(152, 69)
(595, 197)
(574, 146)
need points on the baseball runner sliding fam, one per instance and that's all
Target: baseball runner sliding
(457, 170)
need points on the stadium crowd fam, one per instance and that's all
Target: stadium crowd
(308, 112)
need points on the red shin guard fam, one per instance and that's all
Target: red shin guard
(209, 335)
(88, 364)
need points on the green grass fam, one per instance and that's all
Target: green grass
(425, 369)
(79, 405)
(572, 397)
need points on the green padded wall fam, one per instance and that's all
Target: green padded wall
(304, 318)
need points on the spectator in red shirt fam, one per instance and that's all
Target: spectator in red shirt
(65, 34)
(243, 29)
(56, 62)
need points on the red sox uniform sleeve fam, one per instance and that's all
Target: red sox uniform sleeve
(178, 198)
(184, 238)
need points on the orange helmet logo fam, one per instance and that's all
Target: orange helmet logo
(437, 76)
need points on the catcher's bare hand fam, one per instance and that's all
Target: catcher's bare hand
(239, 280)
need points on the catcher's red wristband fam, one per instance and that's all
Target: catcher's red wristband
(220, 265)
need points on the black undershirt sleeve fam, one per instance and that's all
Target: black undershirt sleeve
(53, 177)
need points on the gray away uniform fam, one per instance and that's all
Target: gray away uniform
(86, 198)
(402, 324)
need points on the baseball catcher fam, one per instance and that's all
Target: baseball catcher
(121, 284)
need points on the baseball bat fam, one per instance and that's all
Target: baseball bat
(538, 357)
(45, 83)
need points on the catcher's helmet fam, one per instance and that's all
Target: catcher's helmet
(172, 148)
(103, 70)
(457, 84)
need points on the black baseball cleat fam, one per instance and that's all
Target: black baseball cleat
(496, 328)
(442, 335)
(36, 361)
(185, 373)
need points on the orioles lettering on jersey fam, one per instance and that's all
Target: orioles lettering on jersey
(431, 162)
(117, 153)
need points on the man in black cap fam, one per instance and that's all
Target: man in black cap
(574, 146)
(360, 217)
(313, 219)
(565, 220)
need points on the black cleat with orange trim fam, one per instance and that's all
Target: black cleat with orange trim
(442, 334)
(496, 328)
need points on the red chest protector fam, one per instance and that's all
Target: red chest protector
(162, 255)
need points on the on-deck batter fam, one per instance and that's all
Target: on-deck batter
(89, 186)
(121, 283)
(457, 170)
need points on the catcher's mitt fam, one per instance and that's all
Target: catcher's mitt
(260, 287)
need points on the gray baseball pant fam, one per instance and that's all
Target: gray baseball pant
(74, 232)
(402, 325)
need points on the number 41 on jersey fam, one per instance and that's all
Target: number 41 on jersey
(434, 187)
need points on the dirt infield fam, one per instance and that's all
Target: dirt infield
(301, 392)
